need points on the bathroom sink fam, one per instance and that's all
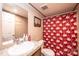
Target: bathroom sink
(21, 48)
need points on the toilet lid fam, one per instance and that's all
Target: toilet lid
(48, 52)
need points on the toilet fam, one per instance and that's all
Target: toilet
(47, 52)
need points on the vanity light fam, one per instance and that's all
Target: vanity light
(15, 10)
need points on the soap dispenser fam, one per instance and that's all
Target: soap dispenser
(29, 38)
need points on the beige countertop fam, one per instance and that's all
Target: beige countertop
(38, 44)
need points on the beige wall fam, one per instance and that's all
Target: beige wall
(0, 23)
(78, 31)
(21, 26)
(78, 26)
(35, 32)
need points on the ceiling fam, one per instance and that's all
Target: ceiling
(54, 8)
(13, 8)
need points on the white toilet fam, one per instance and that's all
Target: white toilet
(47, 52)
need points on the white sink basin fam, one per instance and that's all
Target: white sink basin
(21, 48)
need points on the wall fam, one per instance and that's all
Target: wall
(78, 26)
(0, 23)
(35, 32)
(21, 26)
(78, 31)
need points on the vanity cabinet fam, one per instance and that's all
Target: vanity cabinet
(37, 53)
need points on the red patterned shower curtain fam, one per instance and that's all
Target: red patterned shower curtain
(60, 34)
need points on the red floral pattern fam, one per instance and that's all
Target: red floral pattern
(60, 34)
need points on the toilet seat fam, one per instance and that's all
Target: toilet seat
(47, 52)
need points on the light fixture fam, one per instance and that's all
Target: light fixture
(44, 7)
(14, 10)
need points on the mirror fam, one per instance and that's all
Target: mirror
(14, 21)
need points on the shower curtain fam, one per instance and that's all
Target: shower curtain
(60, 34)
